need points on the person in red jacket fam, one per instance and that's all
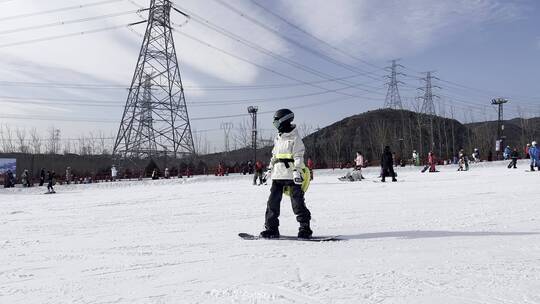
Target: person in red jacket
(432, 161)
(259, 168)
(310, 166)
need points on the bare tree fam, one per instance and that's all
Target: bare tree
(35, 141)
(304, 129)
(21, 141)
(242, 136)
(6, 136)
(53, 140)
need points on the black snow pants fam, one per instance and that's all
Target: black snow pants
(513, 163)
(390, 172)
(303, 216)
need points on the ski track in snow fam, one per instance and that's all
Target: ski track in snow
(448, 237)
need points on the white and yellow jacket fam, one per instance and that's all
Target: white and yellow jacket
(287, 155)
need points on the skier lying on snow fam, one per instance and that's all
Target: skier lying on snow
(354, 175)
(288, 174)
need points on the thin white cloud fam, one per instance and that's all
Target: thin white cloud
(385, 29)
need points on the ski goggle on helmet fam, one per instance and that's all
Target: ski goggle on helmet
(282, 116)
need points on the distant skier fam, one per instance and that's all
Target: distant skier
(259, 168)
(533, 153)
(155, 174)
(25, 179)
(507, 152)
(42, 177)
(114, 173)
(9, 181)
(352, 176)
(514, 156)
(415, 158)
(286, 171)
(476, 155)
(51, 179)
(432, 162)
(387, 165)
(167, 173)
(359, 163)
(527, 147)
(463, 161)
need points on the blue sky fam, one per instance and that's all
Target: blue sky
(480, 49)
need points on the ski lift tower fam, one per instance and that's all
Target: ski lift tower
(499, 146)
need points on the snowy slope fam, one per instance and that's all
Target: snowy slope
(448, 237)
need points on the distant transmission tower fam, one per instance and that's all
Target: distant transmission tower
(428, 105)
(393, 100)
(227, 127)
(155, 120)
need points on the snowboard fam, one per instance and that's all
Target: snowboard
(247, 236)
(425, 169)
(388, 181)
(49, 193)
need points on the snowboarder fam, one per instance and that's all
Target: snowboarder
(42, 177)
(259, 168)
(432, 161)
(359, 163)
(415, 158)
(166, 174)
(507, 152)
(155, 174)
(25, 179)
(352, 176)
(514, 156)
(286, 170)
(9, 181)
(114, 173)
(533, 153)
(387, 165)
(51, 179)
(476, 155)
(463, 161)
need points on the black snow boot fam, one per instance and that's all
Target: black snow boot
(532, 168)
(270, 234)
(304, 232)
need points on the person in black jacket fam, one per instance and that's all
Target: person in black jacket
(42, 177)
(514, 156)
(387, 164)
(50, 181)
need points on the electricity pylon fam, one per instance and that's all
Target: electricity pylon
(393, 100)
(155, 120)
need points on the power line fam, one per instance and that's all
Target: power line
(205, 88)
(57, 10)
(290, 40)
(261, 49)
(297, 27)
(70, 34)
(255, 64)
(73, 21)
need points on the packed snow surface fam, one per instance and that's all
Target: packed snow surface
(447, 237)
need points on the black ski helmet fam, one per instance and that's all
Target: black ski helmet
(283, 117)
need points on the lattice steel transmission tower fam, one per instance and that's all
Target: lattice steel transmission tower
(155, 120)
(227, 127)
(393, 100)
(428, 105)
